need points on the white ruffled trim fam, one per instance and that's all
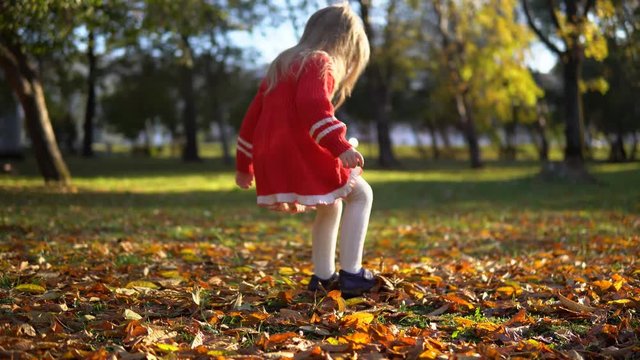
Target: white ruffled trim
(295, 203)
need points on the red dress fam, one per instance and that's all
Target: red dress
(290, 141)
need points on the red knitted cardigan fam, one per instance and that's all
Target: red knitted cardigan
(290, 141)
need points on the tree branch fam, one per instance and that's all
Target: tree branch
(588, 6)
(554, 17)
(538, 32)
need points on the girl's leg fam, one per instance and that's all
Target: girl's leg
(355, 221)
(324, 236)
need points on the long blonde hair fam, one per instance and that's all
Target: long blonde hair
(337, 31)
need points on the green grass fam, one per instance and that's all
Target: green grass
(178, 197)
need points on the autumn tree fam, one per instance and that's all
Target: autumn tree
(29, 29)
(115, 23)
(181, 27)
(570, 29)
(479, 51)
(613, 86)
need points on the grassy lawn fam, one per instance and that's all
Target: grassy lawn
(154, 256)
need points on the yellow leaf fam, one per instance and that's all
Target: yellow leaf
(142, 284)
(287, 271)
(618, 285)
(358, 319)
(431, 354)
(30, 288)
(355, 301)
(620, 302)
(171, 274)
(464, 323)
(167, 347)
(332, 341)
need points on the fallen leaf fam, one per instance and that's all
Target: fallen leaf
(572, 305)
(30, 288)
(141, 284)
(131, 315)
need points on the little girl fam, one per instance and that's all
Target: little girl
(292, 143)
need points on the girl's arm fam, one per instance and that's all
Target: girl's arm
(244, 147)
(313, 103)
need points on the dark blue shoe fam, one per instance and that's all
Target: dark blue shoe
(353, 285)
(319, 284)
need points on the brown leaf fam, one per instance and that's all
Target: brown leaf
(574, 306)
(439, 311)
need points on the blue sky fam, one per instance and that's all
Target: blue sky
(270, 41)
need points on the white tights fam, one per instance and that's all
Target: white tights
(353, 230)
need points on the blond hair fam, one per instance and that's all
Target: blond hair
(337, 31)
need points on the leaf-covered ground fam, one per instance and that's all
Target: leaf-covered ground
(154, 258)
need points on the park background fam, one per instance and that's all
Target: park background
(501, 144)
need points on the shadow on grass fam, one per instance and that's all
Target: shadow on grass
(616, 190)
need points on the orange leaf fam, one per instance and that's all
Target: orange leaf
(257, 317)
(506, 290)
(487, 326)
(381, 332)
(280, 338)
(337, 296)
(286, 296)
(459, 301)
(520, 318)
(603, 285)
(358, 338)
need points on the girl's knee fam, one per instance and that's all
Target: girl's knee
(364, 191)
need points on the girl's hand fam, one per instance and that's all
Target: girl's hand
(244, 180)
(352, 158)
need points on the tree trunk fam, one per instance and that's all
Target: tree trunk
(25, 83)
(190, 151)
(633, 154)
(216, 80)
(446, 140)
(419, 144)
(224, 136)
(380, 91)
(453, 58)
(617, 152)
(510, 136)
(469, 129)
(87, 143)
(573, 153)
(574, 129)
(386, 157)
(434, 139)
(541, 128)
